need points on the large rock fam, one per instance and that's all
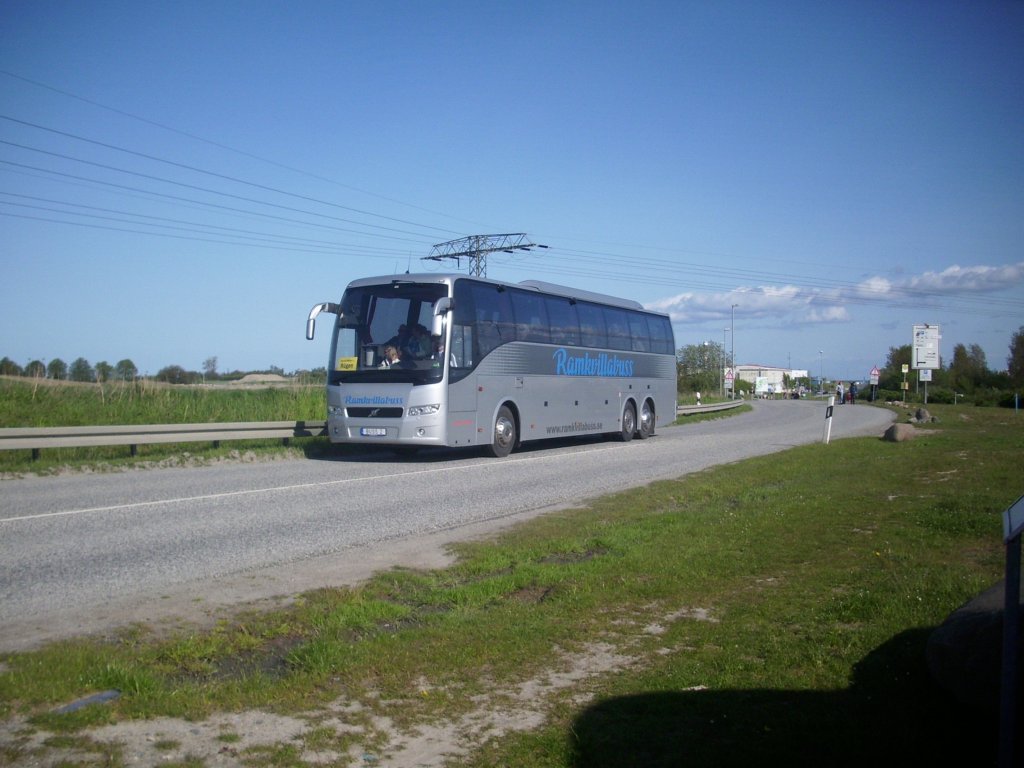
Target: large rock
(900, 433)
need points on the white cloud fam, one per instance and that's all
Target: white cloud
(958, 279)
(831, 314)
(874, 287)
(798, 304)
(763, 301)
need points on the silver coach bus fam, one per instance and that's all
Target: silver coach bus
(477, 362)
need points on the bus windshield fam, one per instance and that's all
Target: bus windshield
(383, 334)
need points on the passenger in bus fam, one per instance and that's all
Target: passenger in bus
(401, 339)
(418, 346)
(437, 355)
(392, 357)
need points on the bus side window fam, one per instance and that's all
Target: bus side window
(592, 328)
(531, 317)
(565, 325)
(488, 310)
(618, 328)
(641, 337)
(661, 334)
(462, 346)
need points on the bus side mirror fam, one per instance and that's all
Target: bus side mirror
(441, 307)
(316, 310)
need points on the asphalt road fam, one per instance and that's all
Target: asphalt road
(86, 553)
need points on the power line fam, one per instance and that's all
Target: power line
(194, 169)
(195, 187)
(170, 223)
(634, 270)
(248, 244)
(219, 145)
(207, 203)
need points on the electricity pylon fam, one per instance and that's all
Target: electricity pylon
(476, 248)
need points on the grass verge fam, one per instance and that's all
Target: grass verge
(774, 611)
(34, 403)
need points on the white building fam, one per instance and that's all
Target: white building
(775, 377)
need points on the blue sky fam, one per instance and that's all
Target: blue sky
(184, 180)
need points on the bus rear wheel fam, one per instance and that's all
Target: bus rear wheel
(503, 439)
(628, 423)
(646, 420)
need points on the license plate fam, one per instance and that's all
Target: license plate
(373, 431)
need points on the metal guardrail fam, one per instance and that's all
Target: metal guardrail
(37, 438)
(690, 410)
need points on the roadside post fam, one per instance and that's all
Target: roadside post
(1013, 527)
(925, 375)
(828, 419)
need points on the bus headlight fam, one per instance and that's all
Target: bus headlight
(335, 410)
(423, 410)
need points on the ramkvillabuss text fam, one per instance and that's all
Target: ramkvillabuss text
(585, 365)
(372, 400)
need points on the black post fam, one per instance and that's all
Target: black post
(1011, 638)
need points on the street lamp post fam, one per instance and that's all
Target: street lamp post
(721, 361)
(732, 335)
(821, 372)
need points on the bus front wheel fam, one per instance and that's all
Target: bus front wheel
(628, 423)
(504, 437)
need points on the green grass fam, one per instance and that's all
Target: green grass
(56, 404)
(49, 404)
(795, 594)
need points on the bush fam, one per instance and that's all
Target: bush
(1011, 400)
(942, 395)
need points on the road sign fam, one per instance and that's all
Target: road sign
(874, 375)
(926, 346)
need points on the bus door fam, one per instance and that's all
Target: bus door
(462, 380)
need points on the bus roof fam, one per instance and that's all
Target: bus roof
(537, 285)
(575, 293)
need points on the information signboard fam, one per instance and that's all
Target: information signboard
(926, 347)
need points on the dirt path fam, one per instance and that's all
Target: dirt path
(228, 739)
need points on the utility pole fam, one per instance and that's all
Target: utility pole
(732, 334)
(476, 248)
(723, 359)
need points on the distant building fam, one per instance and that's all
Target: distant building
(776, 377)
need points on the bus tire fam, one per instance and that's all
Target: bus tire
(628, 423)
(503, 437)
(646, 428)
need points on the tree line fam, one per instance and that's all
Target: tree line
(81, 370)
(964, 377)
